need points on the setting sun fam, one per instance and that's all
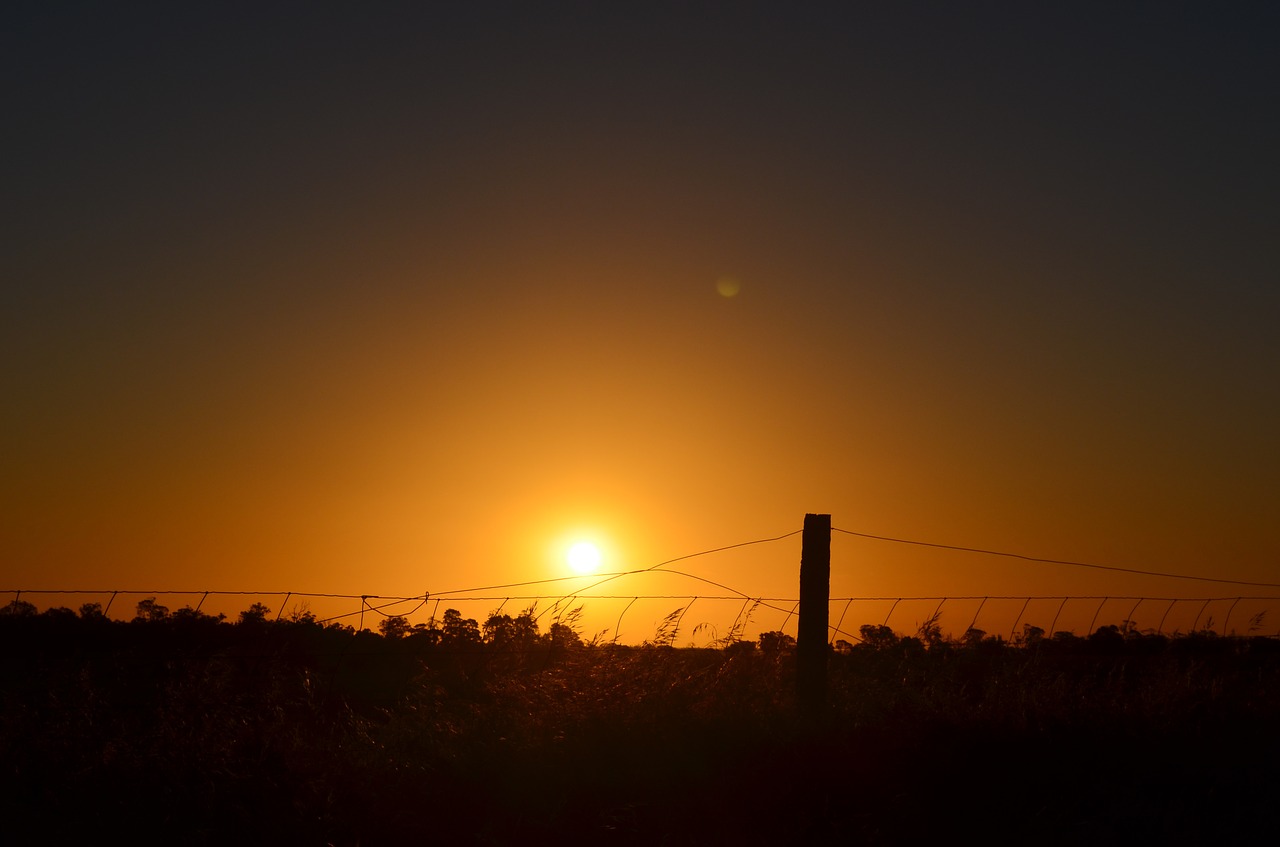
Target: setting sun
(584, 557)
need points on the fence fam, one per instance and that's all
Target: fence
(703, 620)
(729, 614)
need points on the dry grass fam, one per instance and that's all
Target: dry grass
(258, 731)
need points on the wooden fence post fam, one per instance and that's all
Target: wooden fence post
(815, 590)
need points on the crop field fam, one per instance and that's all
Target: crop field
(187, 728)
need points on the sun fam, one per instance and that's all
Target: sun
(583, 557)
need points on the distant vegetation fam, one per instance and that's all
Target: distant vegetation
(182, 727)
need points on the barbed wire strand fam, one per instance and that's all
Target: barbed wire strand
(1059, 612)
(1132, 611)
(1042, 560)
(842, 614)
(735, 595)
(891, 608)
(973, 623)
(395, 601)
(1199, 613)
(1098, 612)
(661, 567)
(1014, 630)
(683, 612)
(772, 604)
(609, 577)
(618, 627)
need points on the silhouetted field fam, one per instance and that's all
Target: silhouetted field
(183, 728)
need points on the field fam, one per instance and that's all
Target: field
(186, 728)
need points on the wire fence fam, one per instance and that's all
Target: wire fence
(726, 613)
(708, 619)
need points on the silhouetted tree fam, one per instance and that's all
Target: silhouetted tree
(92, 612)
(776, 642)
(877, 637)
(496, 629)
(563, 635)
(188, 615)
(1108, 635)
(458, 631)
(394, 627)
(426, 633)
(150, 611)
(19, 608)
(506, 631)
(301, 614)
(255, 614)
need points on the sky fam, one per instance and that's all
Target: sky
(389, 299)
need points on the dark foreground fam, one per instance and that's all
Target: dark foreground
(186, 729)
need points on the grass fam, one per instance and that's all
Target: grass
(197, 730)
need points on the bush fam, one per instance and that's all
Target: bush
(299, 732)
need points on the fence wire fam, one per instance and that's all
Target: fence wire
(782, 608)
(965, 614)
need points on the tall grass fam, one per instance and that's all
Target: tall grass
(193, 729)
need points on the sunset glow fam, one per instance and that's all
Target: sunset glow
(417, 418)
(584, 557)
(438, 314)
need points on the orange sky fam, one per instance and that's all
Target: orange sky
(388, 306)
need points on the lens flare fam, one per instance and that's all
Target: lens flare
(728, 286)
